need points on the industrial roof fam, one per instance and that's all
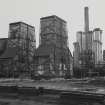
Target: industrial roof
(47, 49)
(44, 50)
(8, 52)
(20, 22)
(53, 16)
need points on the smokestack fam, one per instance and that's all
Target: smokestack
(86, 19)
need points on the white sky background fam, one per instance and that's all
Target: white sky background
(30, 11)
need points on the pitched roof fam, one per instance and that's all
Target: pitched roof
(3, 45)
(8, 51)
(44, 50)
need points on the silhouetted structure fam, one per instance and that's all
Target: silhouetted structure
(23, 36)
(17, 51)
(53, 56)
(89, 46)
(7, 59)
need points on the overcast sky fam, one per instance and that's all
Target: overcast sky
(30, 11)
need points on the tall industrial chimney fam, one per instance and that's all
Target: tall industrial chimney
(86, 19)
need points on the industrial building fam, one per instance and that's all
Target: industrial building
(53, 56)
(80, 37)
(17, 51)
(19, 56)
(97, 45)
(7, 59)
(76, 55)
(23, 36)
(89, 45)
